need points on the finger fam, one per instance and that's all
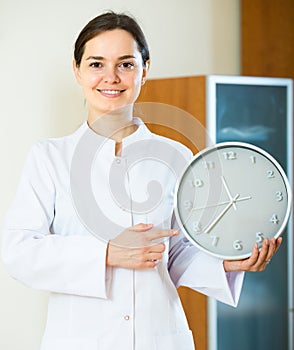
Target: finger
(157, 248)
(154, 256)
(141, 227)
(256, 262)
(144, 264)
(149, 261)
(252, 260)
(155, 234)
(278, 243)
(149, 264)
(274, 246)
(266, 248)
(272, 250)
(265, 253)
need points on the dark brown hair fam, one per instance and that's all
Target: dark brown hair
(110, 21)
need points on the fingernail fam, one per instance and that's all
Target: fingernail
(175, 232)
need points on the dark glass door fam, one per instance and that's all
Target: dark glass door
(256, 114)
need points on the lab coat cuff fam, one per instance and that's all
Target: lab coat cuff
(215, 281)
(96, 276)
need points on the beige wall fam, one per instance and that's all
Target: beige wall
(39, 97)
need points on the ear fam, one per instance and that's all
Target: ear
(145, 72)
(77, 72)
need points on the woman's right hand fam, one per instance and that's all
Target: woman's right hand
(135, 248)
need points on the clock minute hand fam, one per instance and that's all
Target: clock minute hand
(217, 219)
(228, 191)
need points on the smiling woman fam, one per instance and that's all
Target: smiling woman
(111, 259)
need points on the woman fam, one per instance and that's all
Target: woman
(117, 291)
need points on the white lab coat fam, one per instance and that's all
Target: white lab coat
(47, 245)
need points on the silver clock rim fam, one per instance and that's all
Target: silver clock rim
(215, 147)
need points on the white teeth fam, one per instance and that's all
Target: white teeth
(111, 92)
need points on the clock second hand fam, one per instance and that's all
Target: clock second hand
(216, 220)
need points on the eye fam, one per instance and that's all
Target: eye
(96, 65)
(126, 66)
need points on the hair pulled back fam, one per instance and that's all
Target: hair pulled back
(110, 21)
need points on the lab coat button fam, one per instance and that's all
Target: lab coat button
(117, 161)
(127, 317)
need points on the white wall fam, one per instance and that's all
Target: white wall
(39, 97)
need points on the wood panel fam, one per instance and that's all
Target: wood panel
(182, 98)
(187, 96)
(267, 37)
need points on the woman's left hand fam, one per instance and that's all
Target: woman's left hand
(258, 260)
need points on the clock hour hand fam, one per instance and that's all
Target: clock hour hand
(222, 213)
(228, 191)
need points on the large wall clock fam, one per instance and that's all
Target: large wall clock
(230, 196)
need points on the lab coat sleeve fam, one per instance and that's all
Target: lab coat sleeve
(190, 267)
(72, 264)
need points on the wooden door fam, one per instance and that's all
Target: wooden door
(267, 37)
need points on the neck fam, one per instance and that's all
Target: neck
(115, 126)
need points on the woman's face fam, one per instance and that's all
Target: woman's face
(111, 72)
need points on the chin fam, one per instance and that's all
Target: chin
(118, 109)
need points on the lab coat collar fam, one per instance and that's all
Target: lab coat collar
(141, 133)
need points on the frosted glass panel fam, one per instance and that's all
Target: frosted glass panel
(256, 114)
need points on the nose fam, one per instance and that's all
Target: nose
(111, 75)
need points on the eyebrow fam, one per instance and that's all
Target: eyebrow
(101, 58)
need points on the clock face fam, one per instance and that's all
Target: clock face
(231, 196)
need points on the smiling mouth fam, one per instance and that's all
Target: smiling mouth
(110, 92)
